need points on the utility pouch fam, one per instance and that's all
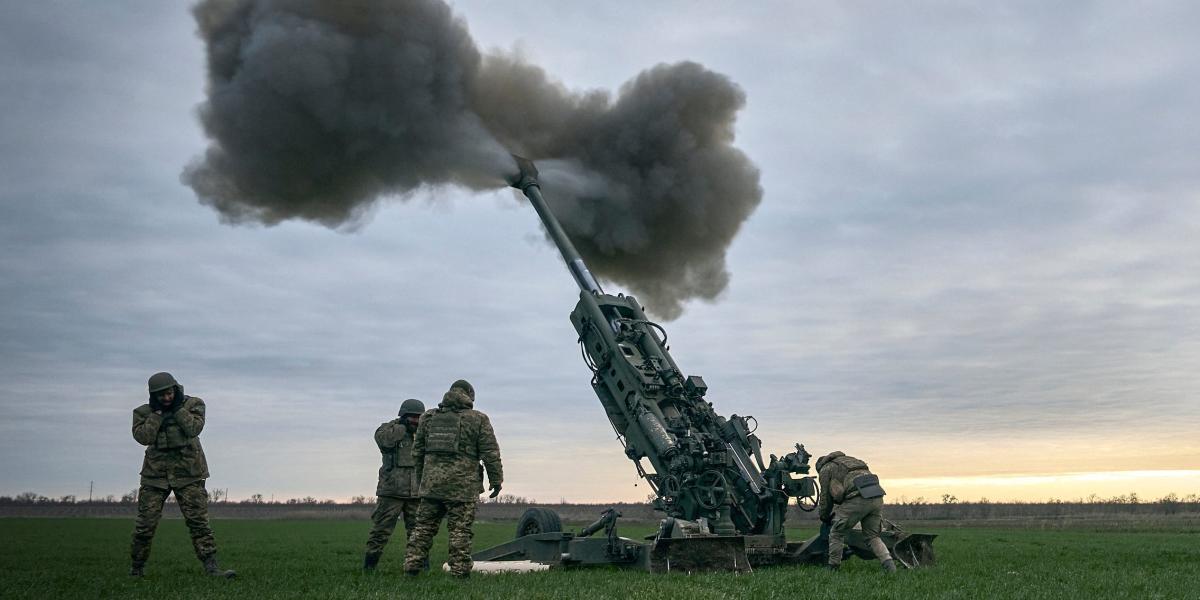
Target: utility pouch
(403, 453)
(868, 486)
(808, 487)
(442, 435)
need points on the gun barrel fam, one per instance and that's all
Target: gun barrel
(527, 182)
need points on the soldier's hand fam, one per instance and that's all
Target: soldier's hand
(495, 491)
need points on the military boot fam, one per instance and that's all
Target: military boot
(370, 561)
(889, 566)
(833, 567)
(211, 568)
(138, 569)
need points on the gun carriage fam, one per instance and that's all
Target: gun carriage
(725, 505)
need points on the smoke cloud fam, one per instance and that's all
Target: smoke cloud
(317, 109)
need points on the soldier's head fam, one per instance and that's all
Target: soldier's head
(460, 396)
(411, 410)
(466, 387)
(165, 392)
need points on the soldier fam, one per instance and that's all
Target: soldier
(850, 494)
(397, 489)
(450, 443)
(168, 426)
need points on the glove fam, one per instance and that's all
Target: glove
(495, 491)
(826, 527)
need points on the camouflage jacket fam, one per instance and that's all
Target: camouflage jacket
(451, 442)
(174, 457)
(836, 473)
(398, 475)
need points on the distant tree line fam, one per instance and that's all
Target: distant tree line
(1130, 498)
(948, 506)
(32, 498)
(215, 496)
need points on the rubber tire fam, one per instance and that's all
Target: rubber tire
(538, 520)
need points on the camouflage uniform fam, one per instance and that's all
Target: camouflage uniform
(450, 444)
(398, 485)
(174, 462)
(843, 505)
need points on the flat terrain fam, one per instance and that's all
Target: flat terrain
(88, 558)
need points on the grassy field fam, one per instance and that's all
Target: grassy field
(88, 558)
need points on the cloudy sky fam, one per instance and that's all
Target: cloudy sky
(976, 263)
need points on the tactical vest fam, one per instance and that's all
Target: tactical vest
(859, 479)
(397, 476)
(443, 434)
(850, 463)
(399, 456)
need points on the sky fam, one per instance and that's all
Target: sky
(976, 263)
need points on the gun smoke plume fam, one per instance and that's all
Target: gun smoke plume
(316, 109)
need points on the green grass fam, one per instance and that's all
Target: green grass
(88, 558)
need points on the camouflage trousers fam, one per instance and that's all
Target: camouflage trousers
(459, 518)
(387, 512)
(850, 513)
(193, 503)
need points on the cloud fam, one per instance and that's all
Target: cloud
(317, 110)
(977, 232)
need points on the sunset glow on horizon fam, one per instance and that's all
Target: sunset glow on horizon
(1040, 487)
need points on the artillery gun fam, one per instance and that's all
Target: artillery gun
(725, 505)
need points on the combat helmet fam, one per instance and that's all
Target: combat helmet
(824, 460)
(161, 381)
(412, 406)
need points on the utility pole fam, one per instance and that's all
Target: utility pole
(91, 486)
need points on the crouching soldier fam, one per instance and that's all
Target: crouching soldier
(850, 494)
(169, 426)
(396, 494)
(451, 442)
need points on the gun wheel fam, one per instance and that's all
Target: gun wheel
(538, 520)
(806, 503)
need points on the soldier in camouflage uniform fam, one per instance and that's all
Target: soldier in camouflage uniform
(850, 494)
(168, 426)
(450, 444)
(396, 493)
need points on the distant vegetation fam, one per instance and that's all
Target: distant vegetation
(949, 507)
(216, 496)
(508, 506)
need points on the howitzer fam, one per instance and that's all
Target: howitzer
(708, 474)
